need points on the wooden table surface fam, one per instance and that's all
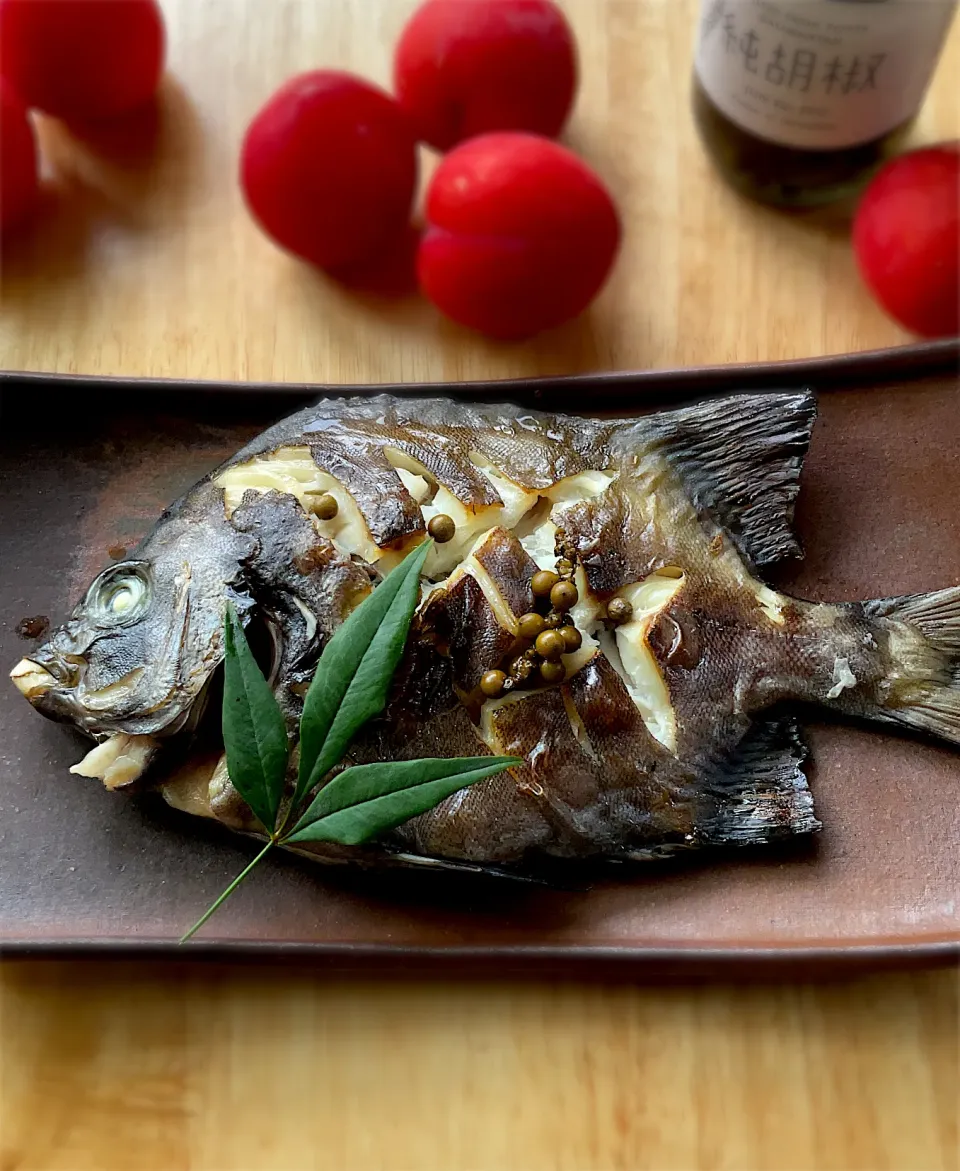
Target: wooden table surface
(144, 262)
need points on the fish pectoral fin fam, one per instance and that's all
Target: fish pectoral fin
(759, 793)
(740, 460)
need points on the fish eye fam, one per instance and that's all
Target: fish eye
(120, 595)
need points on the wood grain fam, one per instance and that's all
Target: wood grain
(144, 262)
(119, 1066)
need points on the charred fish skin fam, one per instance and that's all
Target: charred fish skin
(657, 733)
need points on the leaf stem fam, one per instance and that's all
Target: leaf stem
(278, 833)
(222, 898)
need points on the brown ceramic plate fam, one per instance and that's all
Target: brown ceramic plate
(86, 464)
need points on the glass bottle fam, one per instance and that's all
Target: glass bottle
(799, 101)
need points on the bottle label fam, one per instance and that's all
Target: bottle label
(820, 74)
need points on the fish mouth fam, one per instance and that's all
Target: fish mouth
(43, 686)
(32, 680)
(117, 760)
(48, 677)
(125, 750)
(52, 683)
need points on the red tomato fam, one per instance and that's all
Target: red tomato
(907, 239)
(18, 160)
(466, 67)
(329, 169)
(520, 235)
(82, 60)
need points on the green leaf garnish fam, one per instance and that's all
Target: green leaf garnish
(367, 799)
(351, 685)
(355, 670)
(254, 734)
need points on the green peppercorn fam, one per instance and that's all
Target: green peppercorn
(564, 595)
(492, 684)
(530, 625)
(552, 671)
(442, 528)
(550, 644)
(619, 611)
(572, 638)
(543, 582)
(325, 506)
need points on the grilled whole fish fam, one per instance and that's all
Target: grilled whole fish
(656, 736)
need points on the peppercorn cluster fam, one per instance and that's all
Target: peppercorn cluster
(546, 634)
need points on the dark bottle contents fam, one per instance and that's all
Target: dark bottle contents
(798, 102)
(788, 176)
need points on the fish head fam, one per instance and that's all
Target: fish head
(117, 664)
(138, 650)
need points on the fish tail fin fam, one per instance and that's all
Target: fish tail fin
(921, 689)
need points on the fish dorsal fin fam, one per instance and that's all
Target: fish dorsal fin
(759, 793)
(740, 459)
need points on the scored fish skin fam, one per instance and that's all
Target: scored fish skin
(659, 737)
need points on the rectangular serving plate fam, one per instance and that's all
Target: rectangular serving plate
(86, 465)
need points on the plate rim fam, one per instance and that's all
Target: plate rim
(914, 359)
(840, 959)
